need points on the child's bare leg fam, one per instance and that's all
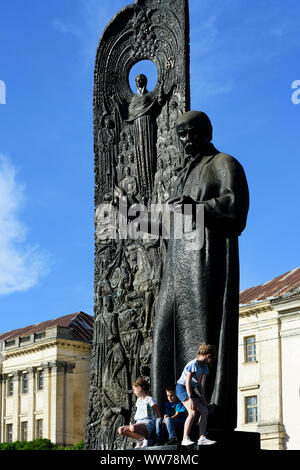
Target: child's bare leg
(203, 419)
(135, 431)
(189, 420)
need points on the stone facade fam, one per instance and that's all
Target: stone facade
(269, 357)
(44, 380)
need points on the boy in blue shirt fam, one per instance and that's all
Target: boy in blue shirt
(173, 420)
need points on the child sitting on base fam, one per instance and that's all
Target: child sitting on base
(173, 420)
(146, 412)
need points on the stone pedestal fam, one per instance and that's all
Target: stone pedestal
(226, 440)
(238, 440)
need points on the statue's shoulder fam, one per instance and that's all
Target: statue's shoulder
(226, 160)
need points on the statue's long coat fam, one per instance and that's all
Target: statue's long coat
(199, 295)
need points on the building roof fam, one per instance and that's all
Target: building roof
(79, 323)
(280, 286)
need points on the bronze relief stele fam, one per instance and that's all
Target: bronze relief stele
(154, 301)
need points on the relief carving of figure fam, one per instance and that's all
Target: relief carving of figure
(145, 355)
(115, 375)
(131, 339)
(167, 174)
(132, 165)
(111, 419)
(129, 185)
(106, 325)
(159, 172)
(106, 139)
(159, 190)
(120, 167)
(142, 112)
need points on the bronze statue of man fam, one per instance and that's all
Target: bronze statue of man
(199, 294)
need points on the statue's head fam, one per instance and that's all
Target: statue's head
(168, 159)
(112, 340)
(108, 122)
(160, 163)
(108, 303)
(141, 80)
(195, 131)
(124, 145)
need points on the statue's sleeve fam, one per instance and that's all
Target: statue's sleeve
(228, 210)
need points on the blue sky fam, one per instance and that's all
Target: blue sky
(244, 59)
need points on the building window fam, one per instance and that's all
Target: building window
(25, 339)
(39, 428)
(25, 383)
(250, 349)
(40, 379)
(9, 431)
(251, 414)
(10, 386)
(40, 335)
(24, 428)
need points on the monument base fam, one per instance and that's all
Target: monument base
(239, 440)
(225, 440)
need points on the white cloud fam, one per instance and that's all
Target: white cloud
(88, 26)
(64, 28)
(21, 266)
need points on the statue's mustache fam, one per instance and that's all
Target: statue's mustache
(189, 148)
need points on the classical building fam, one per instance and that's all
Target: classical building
(44, 380)
(269, 360)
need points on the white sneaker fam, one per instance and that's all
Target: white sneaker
(187, 442)
(146, 443)
(139, 444)
(203, 441)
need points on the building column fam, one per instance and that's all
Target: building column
(68, 399)
(58, 402)
(2, 397)
(16, 406)
(47, 401)
(31, 403)
(53, 401)
(3, 407)
(58, 411)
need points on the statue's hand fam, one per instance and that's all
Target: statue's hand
(118, 192)
(178, 203)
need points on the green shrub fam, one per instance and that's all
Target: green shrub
(38, 444)
(7, 446)
(78, 446)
